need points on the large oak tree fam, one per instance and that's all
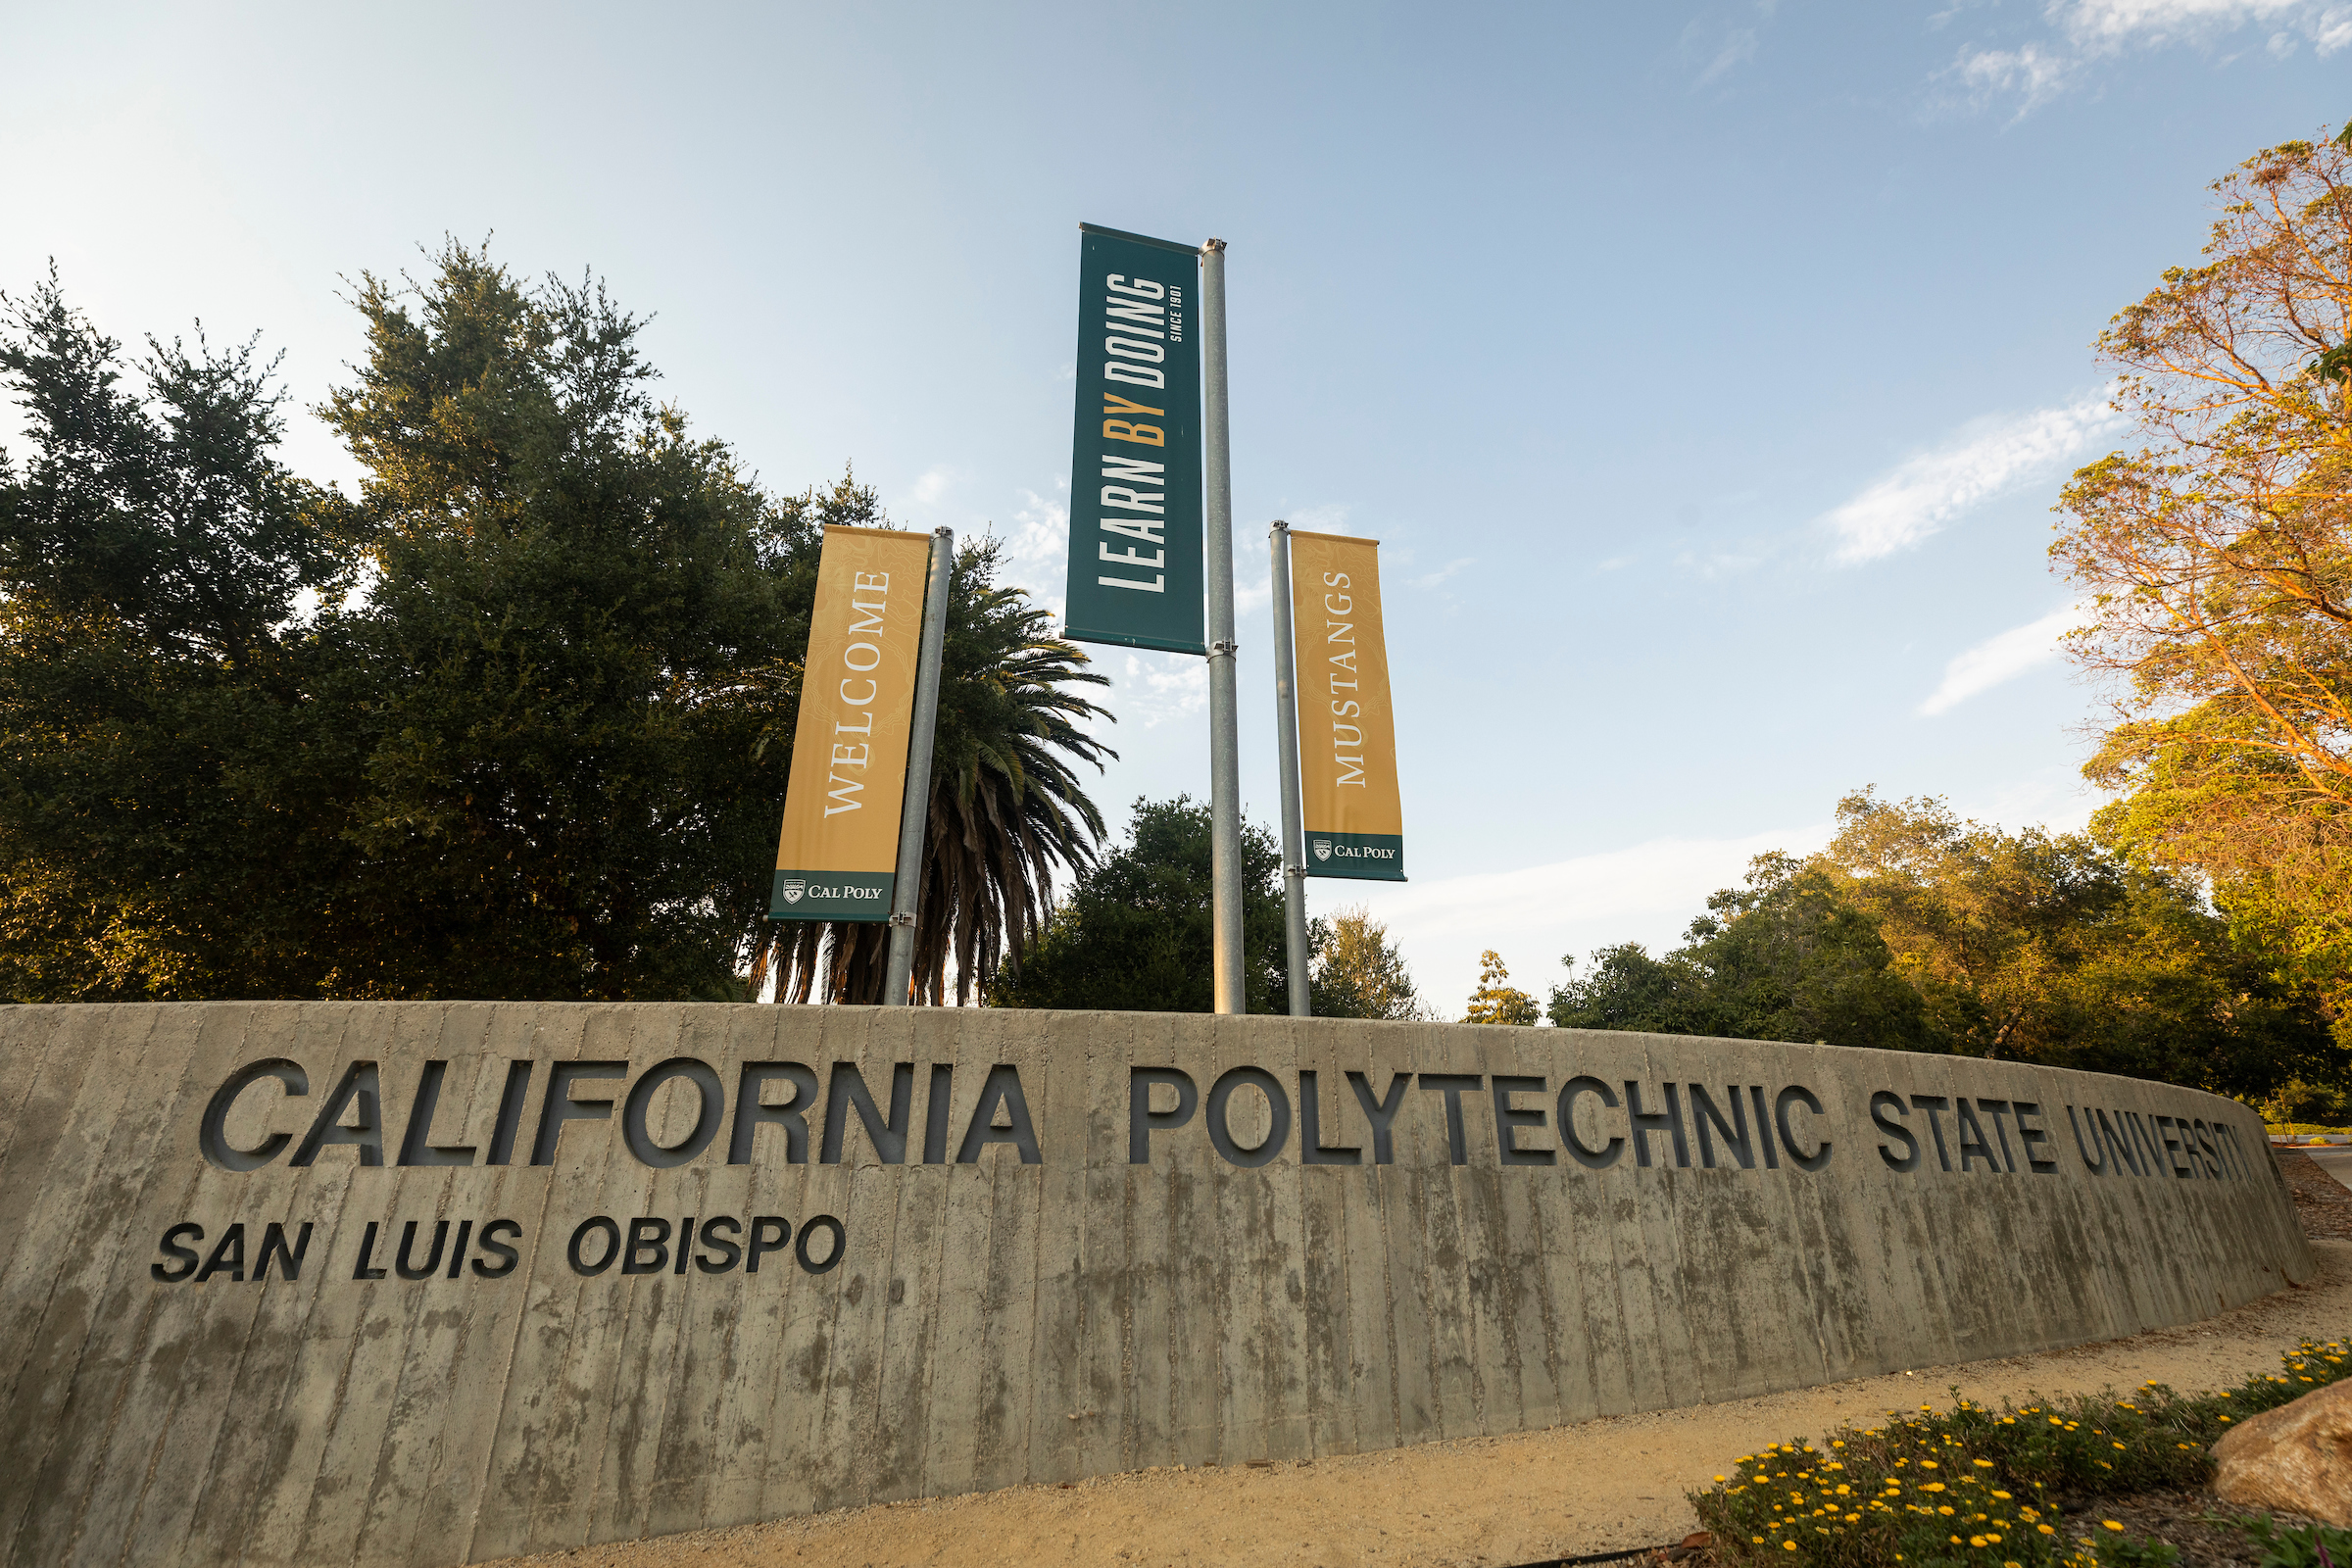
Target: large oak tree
(2218, 555)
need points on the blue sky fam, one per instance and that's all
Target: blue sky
(1707, 371)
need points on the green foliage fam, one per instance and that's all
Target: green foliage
(1358, 973)
(1916, 931)
(166, 783)
(2295, 1105)
(539, 753)
(1788, 957)
(1976, 1487)
(2115, 1551)
(2050, 948)
(2313, 1545)
(1495, 1002)
(583, 623)
(1135, 932)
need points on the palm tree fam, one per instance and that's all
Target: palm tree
(1006, 809)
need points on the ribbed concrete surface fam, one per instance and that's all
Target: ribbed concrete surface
(994, 1321)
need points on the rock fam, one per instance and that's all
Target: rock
(2297, 1458)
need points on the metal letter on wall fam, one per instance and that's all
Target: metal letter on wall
(1354, 819)
(1135, 474)
(837, 857)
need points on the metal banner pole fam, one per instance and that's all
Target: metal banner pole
(1286, 735)
(1224, 743)
(915, 818)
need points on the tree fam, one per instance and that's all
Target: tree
(1788, 957)
(584, 620)
(1917, 931)
(543, 753)
(1495, 1002)
(167, 789)
(2051, 948)
(2218, 559)
(1135, 932)
(1357, 972)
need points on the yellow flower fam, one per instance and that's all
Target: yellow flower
(1982, 1464)
(1927, 1464)
(1995, 1540)
(1720, 1477)
(1789, 1546)
(1932, 1486)
(1974, 1540)
(2047, 1530)
(2118, 1444)
(1955, 1540)
(2112, 1525)
(1943, 1508)
(1756, 1541)
(2003, 1496)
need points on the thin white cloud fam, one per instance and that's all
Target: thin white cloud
(2003, 657)
(1922, 494)
(1449, 570)
(1154, 688)
(2087, 31)
(1037, 549)
(2035, 75)
(2115, 24)
(1721, 42)
(1330, 517)
(930, 486)
(1736, 48)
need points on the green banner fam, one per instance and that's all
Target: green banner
(1371, 856)
(830, 896)
(1135, 474)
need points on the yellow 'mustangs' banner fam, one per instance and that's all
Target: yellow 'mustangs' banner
(1346, 733)
(839, 852)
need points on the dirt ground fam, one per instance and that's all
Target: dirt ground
(1595, 1486)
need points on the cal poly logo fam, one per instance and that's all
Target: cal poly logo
(1322, 849)
(794, 886)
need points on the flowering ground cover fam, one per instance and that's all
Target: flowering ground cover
(2018, 1488)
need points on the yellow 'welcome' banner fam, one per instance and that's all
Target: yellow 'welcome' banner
(1346, 733)
(837, 857)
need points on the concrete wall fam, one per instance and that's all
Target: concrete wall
(991, 1320)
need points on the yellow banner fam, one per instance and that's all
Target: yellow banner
(840, 846)
(1347, 730)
